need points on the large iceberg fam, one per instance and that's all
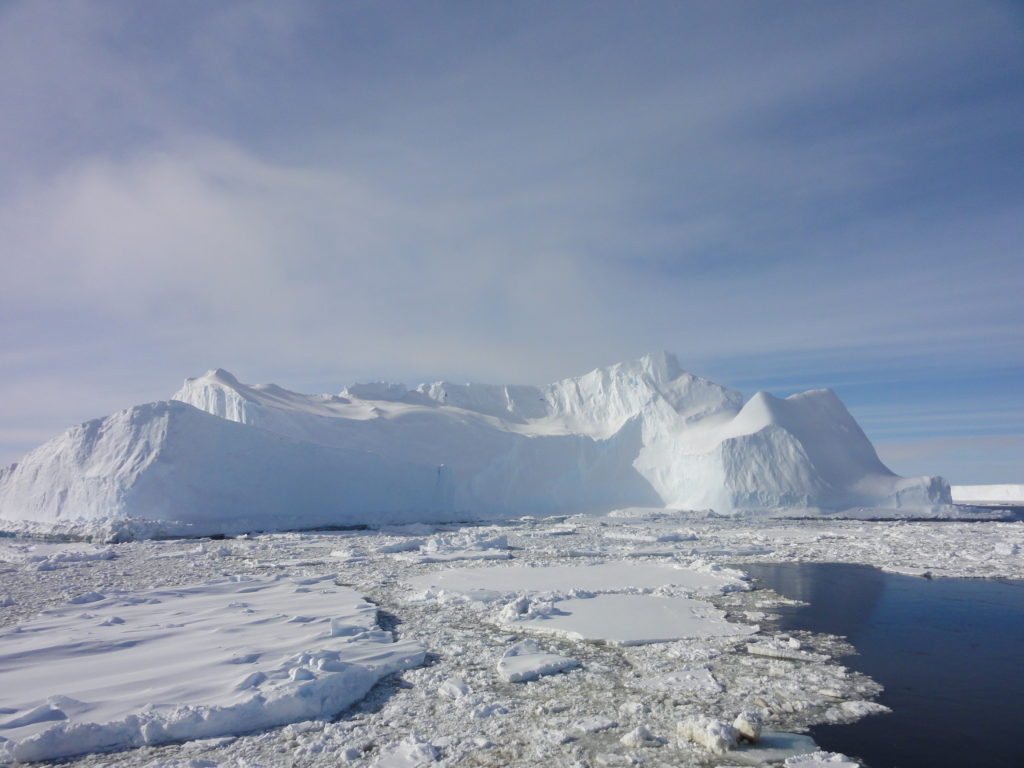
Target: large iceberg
(226, 457)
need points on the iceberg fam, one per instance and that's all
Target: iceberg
(223, 457)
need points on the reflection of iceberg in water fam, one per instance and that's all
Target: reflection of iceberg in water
(842, 597)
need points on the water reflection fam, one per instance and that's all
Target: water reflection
(948, 652)
(842, 599)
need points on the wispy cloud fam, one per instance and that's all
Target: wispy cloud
(801, 196)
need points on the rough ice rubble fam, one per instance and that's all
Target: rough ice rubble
(225, 457)
(134, 668)
(552, 720)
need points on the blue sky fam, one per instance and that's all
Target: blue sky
(788, 195)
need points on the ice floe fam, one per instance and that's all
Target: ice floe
(634, 620)
(525, 661)
(132, 668)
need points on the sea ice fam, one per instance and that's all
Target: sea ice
(635, 620)
(191, 662)
(772, 748)
(458, 704)
(687, 679)
(821, 760)
(413, 752)
(489, 584)
(525, 661)
(715, 736)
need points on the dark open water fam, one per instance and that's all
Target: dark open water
(950, 653)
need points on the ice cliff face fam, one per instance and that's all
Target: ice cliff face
(222, 456)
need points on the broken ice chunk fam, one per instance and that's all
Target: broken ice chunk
(411, 752)
(525, 661)
(713, 735)
(748, 726)
(453, 688)
(860, 708)
(640, 737)
(822, 760)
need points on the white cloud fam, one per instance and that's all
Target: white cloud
(322, 193)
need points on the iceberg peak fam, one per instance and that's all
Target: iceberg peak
(218, 375)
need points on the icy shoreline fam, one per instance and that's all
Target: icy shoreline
(563, 700)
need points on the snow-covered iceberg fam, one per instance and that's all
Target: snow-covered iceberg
(223, 457)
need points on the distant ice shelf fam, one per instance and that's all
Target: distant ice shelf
(1004, 495)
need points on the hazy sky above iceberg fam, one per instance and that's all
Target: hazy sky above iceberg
(787, 195)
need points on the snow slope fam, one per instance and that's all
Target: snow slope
(224, 457)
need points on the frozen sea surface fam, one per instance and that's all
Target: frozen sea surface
(475, 701)
(947, 651)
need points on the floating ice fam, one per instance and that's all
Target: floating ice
(821, 760)
(748, 726)
(635, 620)
(525, 661)
(413, 752)
(772, 748)
(541, 599)
(194, 662)
(489, 584)
(640, 737)
(686, 679)
(715, 736)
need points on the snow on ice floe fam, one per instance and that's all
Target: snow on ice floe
(606, 602)
(225, 457)
(634, 620)
(126, 669)
(525, 661)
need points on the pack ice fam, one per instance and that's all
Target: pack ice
(225, 457)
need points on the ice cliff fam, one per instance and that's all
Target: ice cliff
(222, 456)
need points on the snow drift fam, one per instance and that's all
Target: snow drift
(223, 457)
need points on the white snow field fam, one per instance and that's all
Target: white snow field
(225, 457)
(129, 674)
(131, 668)
(995, 495)
(608, 602)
